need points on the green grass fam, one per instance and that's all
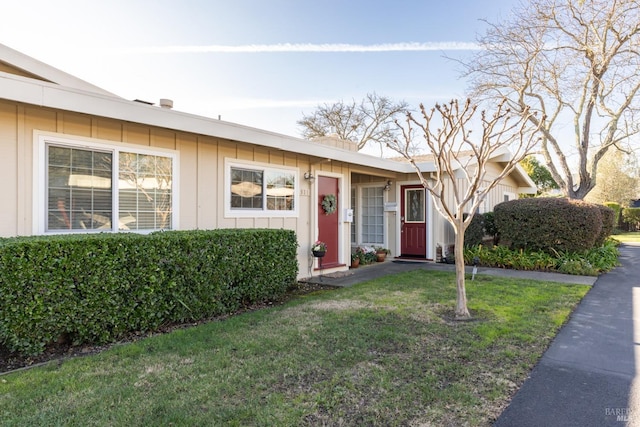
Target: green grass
(628, 237)
(385, 352)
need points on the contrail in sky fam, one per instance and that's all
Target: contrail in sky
(310, 48)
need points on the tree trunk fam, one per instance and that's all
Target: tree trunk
(461, 294)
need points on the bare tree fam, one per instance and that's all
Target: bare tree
(460, 163)
(370, 121)
(578, 64)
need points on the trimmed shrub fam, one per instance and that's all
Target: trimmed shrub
(490, 228)
(617, 211)
(475, 231)
(548, 224)
(608, 224)
(97, 288)
(631, 218)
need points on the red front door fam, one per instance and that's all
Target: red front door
(328, 223)
(413, 221)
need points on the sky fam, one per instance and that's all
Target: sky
(261, 63)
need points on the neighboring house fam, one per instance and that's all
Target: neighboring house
(76, 159)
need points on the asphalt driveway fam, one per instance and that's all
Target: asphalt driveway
(589, 374)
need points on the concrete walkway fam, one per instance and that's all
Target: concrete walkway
(373, 271)
(588, 376)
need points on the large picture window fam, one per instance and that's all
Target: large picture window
(103, 188)
(255, 189)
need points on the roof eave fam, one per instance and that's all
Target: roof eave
(50, 95)
(47, 72)
(525, 178)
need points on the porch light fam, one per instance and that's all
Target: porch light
(387, 187)
(309, 176)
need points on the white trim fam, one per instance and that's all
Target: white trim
(46, 71)
(72, 94)
(44, 94)
(356, 222)
(431, 245)
(530, 186)
(428, 218)
(40, 141)
(424, 200)
(340, 213)
(385, 231)
(264, 212)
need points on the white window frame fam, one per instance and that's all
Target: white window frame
(353, 227)
(263, 212)
(424, 200)
(40, 165)
(359, 201)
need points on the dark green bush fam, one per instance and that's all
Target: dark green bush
(631, 218)
(490, 228)
(475, 231)
(97, 288)
(617, 211)
(587, 263)
(548, 224)
(608, 224)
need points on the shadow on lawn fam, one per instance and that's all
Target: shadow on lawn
(60, 351)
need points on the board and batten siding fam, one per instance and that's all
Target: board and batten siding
(201, 170)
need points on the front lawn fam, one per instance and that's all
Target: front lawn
(385, 352)
(628, 237)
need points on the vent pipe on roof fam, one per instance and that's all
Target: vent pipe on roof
(166, 103)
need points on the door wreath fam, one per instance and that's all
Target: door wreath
(329, 204)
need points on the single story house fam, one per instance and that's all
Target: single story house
(75, 158)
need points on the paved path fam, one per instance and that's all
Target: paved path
(368, 272)
(587, 377)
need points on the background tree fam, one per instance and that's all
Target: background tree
(539, 174)
(578, 64)
(460, 164)
(617, 179)
(371, 121)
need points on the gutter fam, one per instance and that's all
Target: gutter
(43, 94)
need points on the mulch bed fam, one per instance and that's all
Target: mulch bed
(60, 351)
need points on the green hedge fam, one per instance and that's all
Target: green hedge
(98, 288)
(549, 224)
(474, 233)
(617, 210)
(631, 218)
(490, 228)
(608, 224)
